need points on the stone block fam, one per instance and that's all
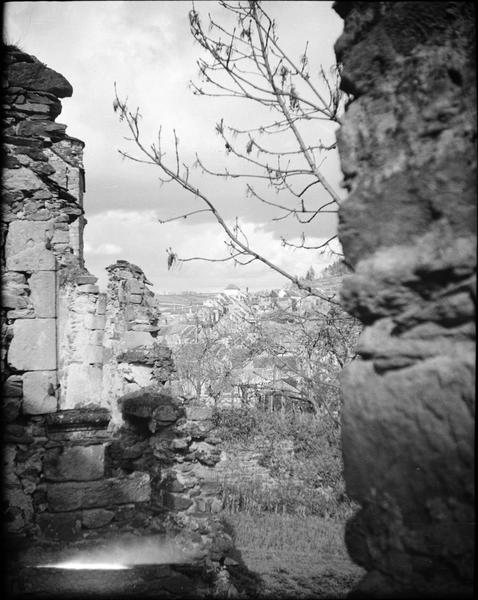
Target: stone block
(149, 403)
(94, 354)
(135, 298)
(26, 247)
(133, 339)
(39, 392)
(205, 453)
(88, 288)
(96, 517)
(101, 304)
(33, 347)
(43, 293)
(99, 494)
(21, 313)
(22, 178)
(61, 237)
(15, 301)
(82, 418)
(93, 321)
(96, 337)
(36, 76)
(77, 463)
(83, 385)
(176, 501)
(84, 279)
(134, 286)
(62, 527)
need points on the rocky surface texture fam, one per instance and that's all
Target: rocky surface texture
(78, 464)
(133, 358)
(408, 226)
(175, 446)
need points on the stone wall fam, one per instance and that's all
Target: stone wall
(133, 358)
(94, 445)
(408, 227)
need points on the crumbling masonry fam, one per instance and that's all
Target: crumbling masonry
(408, 151)
(93, 442)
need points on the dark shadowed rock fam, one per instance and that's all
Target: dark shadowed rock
(151, 404)
(407, 145)
(34, 75)
(99, 494)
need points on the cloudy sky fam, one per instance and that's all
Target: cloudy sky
(147, 49)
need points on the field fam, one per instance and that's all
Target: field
(291, 556)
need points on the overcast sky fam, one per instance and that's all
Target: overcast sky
(147, 48)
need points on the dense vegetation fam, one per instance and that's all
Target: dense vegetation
(308, 479)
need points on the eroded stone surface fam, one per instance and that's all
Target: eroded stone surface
(408, 226)
(26, 247)
(99, 494)
(77, 463)
(33, 347)
(39, 392)
(43, 293)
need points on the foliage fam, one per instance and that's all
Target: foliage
(235, 424)
(308, 481)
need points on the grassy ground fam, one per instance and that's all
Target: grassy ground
(293, 556)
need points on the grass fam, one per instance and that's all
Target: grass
(294, 556)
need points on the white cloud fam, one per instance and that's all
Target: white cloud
(147, 49)
(143, 241)
(105, 249)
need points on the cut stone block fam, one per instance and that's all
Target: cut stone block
(82, 279)
(33, 347)
(98, 494)
(22, 179)
(91, 418)
(39, 392)
(134, 286)
(95, 321)
(25, 248)
(43, 293)
(138, 338)
(176, 501)
(94, 354)
(101, 305)
(64, 527)
(83, 385)
(78, 463)
(96, 517)
(88, 288)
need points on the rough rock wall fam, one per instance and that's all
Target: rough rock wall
(132, 357)
(69, 352)
(42, 222)
(408, 226)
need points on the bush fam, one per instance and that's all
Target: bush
(308, 481)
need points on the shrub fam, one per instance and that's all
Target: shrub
(308, 481)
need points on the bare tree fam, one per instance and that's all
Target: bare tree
(319, 344)
(247, 62)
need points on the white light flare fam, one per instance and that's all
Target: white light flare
(86, 565)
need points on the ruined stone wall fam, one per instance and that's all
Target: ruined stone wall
(408, 227)
(133, 358)
(41, 216)
(73, 467)
(42, 223)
